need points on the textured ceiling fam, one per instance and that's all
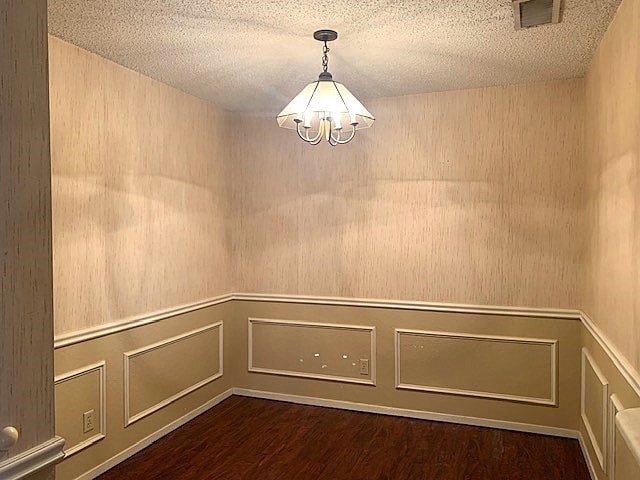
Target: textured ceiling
(256, 55)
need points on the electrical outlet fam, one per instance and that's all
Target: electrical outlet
(87, 421)
(364, 366)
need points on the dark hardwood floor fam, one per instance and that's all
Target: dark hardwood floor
(245, 438)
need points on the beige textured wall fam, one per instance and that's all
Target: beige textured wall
(26, 323)
(612, 149)
(140, 193)
(468, 196)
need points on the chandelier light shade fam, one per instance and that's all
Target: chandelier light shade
(325, 109)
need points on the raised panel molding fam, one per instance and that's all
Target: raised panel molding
(320, 325)
(599, 444)
(100, 367)
(128, 356)
(615, 406)
(549, 343)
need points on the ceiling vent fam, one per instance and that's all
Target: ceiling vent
(533, 13)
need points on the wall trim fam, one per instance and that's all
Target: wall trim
(553, 400)
(145, 442)
(587, 457)
(128, 418)
(316, 376)
(101, 368)
(71, 338)
(615, 406)
(599, 445)
(628, 424)
(629, 373)
(408, 413)
(29, 462)
(78, 336)
(411, 305)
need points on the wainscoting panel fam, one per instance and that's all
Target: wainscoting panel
(543, 389)
(615, 406)
(488, 366)
(626, 465)
(628, 440)
(77, 392)
(541, 395)
(342, 353)
(158, 374)
(594, 399)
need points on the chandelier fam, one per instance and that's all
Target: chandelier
(325, 108)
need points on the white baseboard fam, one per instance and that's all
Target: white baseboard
(403, 412)
(145, 442)
(29, 462)
(587, 457)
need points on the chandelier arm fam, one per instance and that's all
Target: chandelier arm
(313, 141)
(299, 132)
(318, 138)
(338, 138)
(333, 140)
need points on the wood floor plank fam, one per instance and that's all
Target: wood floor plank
(247, 438)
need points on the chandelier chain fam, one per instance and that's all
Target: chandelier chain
(325, 57)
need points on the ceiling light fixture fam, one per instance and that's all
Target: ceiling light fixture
(323, 108)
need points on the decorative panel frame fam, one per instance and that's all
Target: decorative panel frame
(100, 367)
(599, 445)
(130, 419)
(615, 406)
(336, 326)
(553, 373)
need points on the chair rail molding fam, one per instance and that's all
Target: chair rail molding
(31, 461)
(71, 338)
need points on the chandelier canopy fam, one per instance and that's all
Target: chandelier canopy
(325, 108)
